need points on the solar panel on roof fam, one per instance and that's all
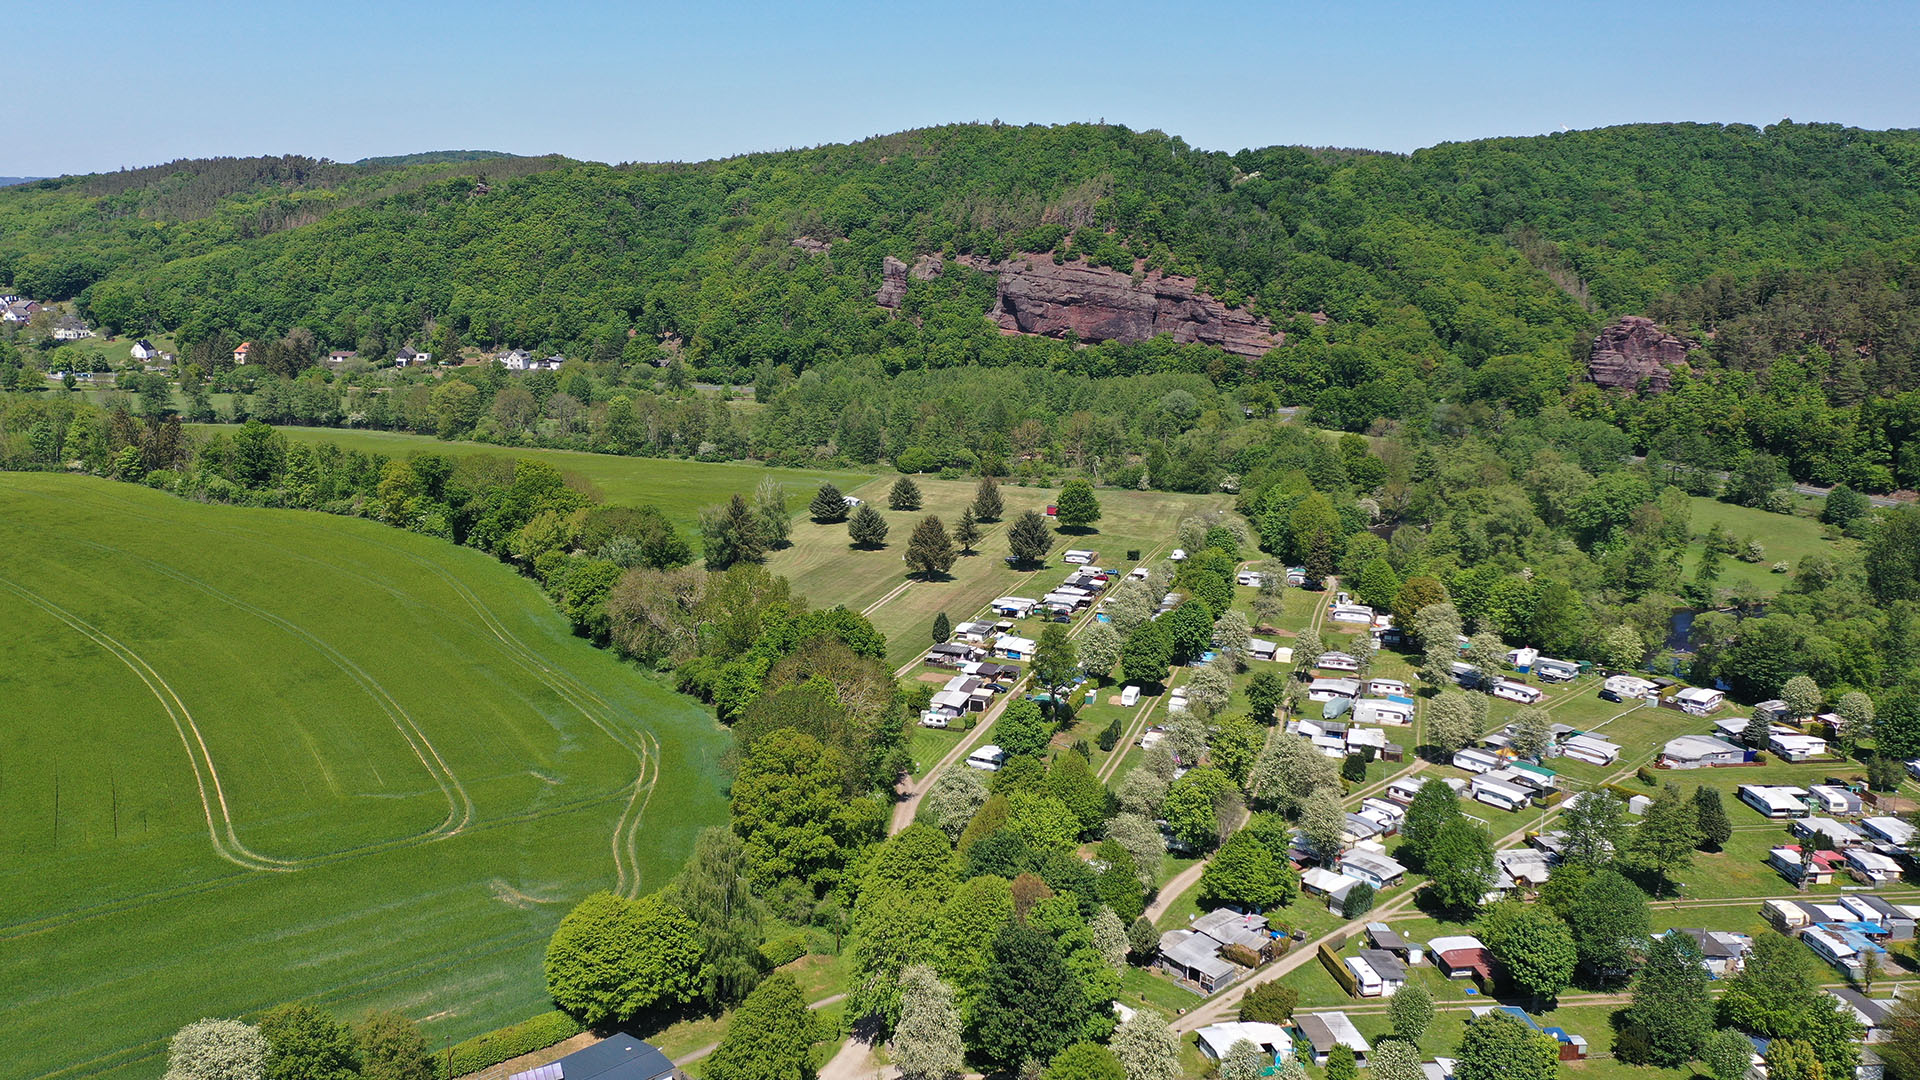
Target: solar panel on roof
(544, 1072)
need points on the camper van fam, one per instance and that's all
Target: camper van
(1625, 687)
(1508, 690)
(989, 758)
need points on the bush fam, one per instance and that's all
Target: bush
(1269, 1003)
(784, 951)
(510, 1042)
(1240, 954)
(1110, 737)
(1646, 776)
(1354, 768)
(1359, 901)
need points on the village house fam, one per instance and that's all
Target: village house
(144, 350)
(1326, 1030)
(515, 359)
(1722, 952)
(1700, 752)
(242, 351)
(338, 358)
(1698, 700)
(1775, 801)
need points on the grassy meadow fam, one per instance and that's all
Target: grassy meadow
(679, 488)
(253, 756)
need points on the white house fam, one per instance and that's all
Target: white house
(987, 757)
(1381, 711)
(1775, 801)
(1797, 747)
(1508, 690)
(1388, 688)
(1625, 687)
(1009, 647)
(1698, 700)
(144, 350)
(1499, 793)
(1475, 760)
(1328, 689)
(1700, 751)
(71, 328)
(1375, 869)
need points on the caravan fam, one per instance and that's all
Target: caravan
(988, 758)
(1508, 690)
(1499, 793)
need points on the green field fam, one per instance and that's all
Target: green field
(1787, 538)
(679, 488)
(253, 756)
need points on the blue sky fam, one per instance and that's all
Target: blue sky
(112, 83)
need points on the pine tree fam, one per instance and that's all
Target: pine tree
(1029, 539)
(829, 506)
(986, 501)
(967, 532)
(929, 552)
(942, 629)
(1715, 828)
(867, 528)
(905, 494)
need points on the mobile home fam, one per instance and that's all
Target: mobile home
(987, 757)
(1381, 711)
(1508, 690)
(1499, 793)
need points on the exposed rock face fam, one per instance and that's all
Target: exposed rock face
(1635, 350)
(894, 274)
(811, 246)
(1038, 297)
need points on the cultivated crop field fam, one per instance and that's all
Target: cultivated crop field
(249, 756)
(827, 570)
(679, 488)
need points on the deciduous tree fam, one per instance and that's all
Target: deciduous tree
(927, 1040)
(1032, 1006)
(223, 1050)
(1459, 865)
(1078, 506)
(1671, 1015)
(1411, 1016)
(1498, 1046)
(1147, 1047)
(305, 1043)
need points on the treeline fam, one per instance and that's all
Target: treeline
(1469, 275)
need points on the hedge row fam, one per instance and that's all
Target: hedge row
(510, 1042)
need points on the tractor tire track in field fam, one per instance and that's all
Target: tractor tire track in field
(205, 775)
(644, 747)
(459, 803)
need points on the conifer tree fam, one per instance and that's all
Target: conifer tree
(1029, 539)
(867, 528)
(828, 506)
(905, 494)
(1715, 828)
(966, 532)
(942, 629)
(929, 552)
(986, 500)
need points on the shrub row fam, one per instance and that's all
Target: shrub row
(510, 1042)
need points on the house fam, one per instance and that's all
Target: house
(1872, 1013)
(1591, 749)
(1699, 701)
(1834, 799)
(1376, 870)
(71, 328)
(973, 633)
(1508, 690)
(515, 359)
(1521, 869)
(406, 357)
(1700, 752)
(1889, 830)
(1816, 869)
(144, 350)
(1012, 607)
(1774, 801)
(1009, 647)
(1275, 1042)
(1722, 952)
(1496, 793)
(1381, 711)
(1797, 747)
(1388, 688)
(1624, 687)
(1324, 1031)
(1475, 761)
(1555, 670)
(1195, 958)
(1838, 833)
(339, 357)
(1572, 1047)
(988, 757)
(1080, 556)
(1337, 661)
(1461, 956)
(1328, 689)
(1268, 650)
(1871, 866)
(1351, 613)
(1376, 973)
(245, 348)
(1844, 949)
(951, 654)
(617, 1057)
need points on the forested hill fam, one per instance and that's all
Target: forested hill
(1472, 274)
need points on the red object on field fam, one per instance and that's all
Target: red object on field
(1053, 511)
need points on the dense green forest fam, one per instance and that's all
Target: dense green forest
(1460, 285)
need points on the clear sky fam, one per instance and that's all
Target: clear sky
(101, 84)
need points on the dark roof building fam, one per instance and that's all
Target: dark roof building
(618, 1057)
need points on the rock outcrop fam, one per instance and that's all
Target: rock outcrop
(811, 246)
(1634, 351)
(894, 274)
(1038, 297)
